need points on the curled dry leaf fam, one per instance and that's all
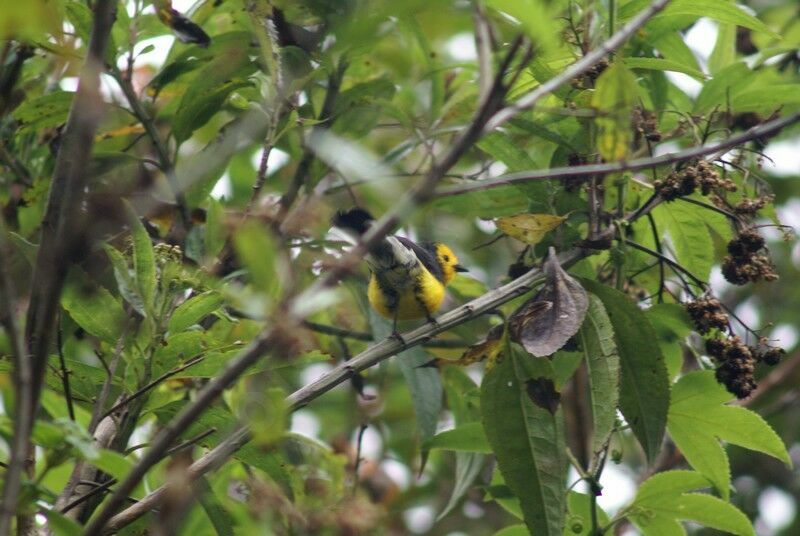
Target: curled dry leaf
(486, 349)
(529, 228)
(545, 323)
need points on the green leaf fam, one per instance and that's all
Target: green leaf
(718, 91)
(766, 99)
(698, 418)
(126, 280)
(536, 18)
(214, 236)
(675, 49)
(669, 483)
(358, 108)
(615, 92)
(113, 463)
(719, 10)
(59, 524)
(92, 307)
(489, 204)
(220, 519)
(194, 310)
(694, 248)
(579, 515)
(724, 52)
(256, 249)
(528, 442)
(144, 262)
(468, 467)
(468, 437)
(423, 382)
(672, 325)
(43, 112)
(644, 384)
(663, 499)
(660, 64)
(513, 530)
(503, 148)
(602, 361)
(463, 401)
(226, 72)
(28, 249)
(197, 108)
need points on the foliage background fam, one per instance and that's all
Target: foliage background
(210, 122)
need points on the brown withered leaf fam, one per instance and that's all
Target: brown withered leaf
(542, 392)
(486, 349)
(546, 322)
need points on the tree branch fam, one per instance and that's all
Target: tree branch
(522, 177)
(60, 233)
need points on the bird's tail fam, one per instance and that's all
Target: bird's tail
(356, 220)
(387, 253)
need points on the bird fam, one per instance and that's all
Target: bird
(408, 279)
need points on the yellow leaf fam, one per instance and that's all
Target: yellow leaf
(529, 228)
(614, 95)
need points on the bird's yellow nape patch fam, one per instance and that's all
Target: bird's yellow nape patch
(447, 260)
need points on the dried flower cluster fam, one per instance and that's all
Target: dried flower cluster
(750, 206)
(645, 124)
(738, 361)
(746, 262)
(686, 180)
(707, 314)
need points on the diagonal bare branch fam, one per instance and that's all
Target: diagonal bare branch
(60, 233)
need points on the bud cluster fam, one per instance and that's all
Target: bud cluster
(745, 262)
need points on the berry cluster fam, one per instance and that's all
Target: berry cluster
(745, 263)
(686, 180)
(738, 361)
(706, 314)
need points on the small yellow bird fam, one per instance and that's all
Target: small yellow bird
(408, 279)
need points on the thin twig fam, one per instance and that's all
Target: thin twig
(673, 264)
(661, 274)
(64, 371)
(144, 389)
(483, 44)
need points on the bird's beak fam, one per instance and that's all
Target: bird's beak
(460, 268)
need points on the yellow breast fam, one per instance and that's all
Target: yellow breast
(421, 296)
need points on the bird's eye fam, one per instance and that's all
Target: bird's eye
(446, 258)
